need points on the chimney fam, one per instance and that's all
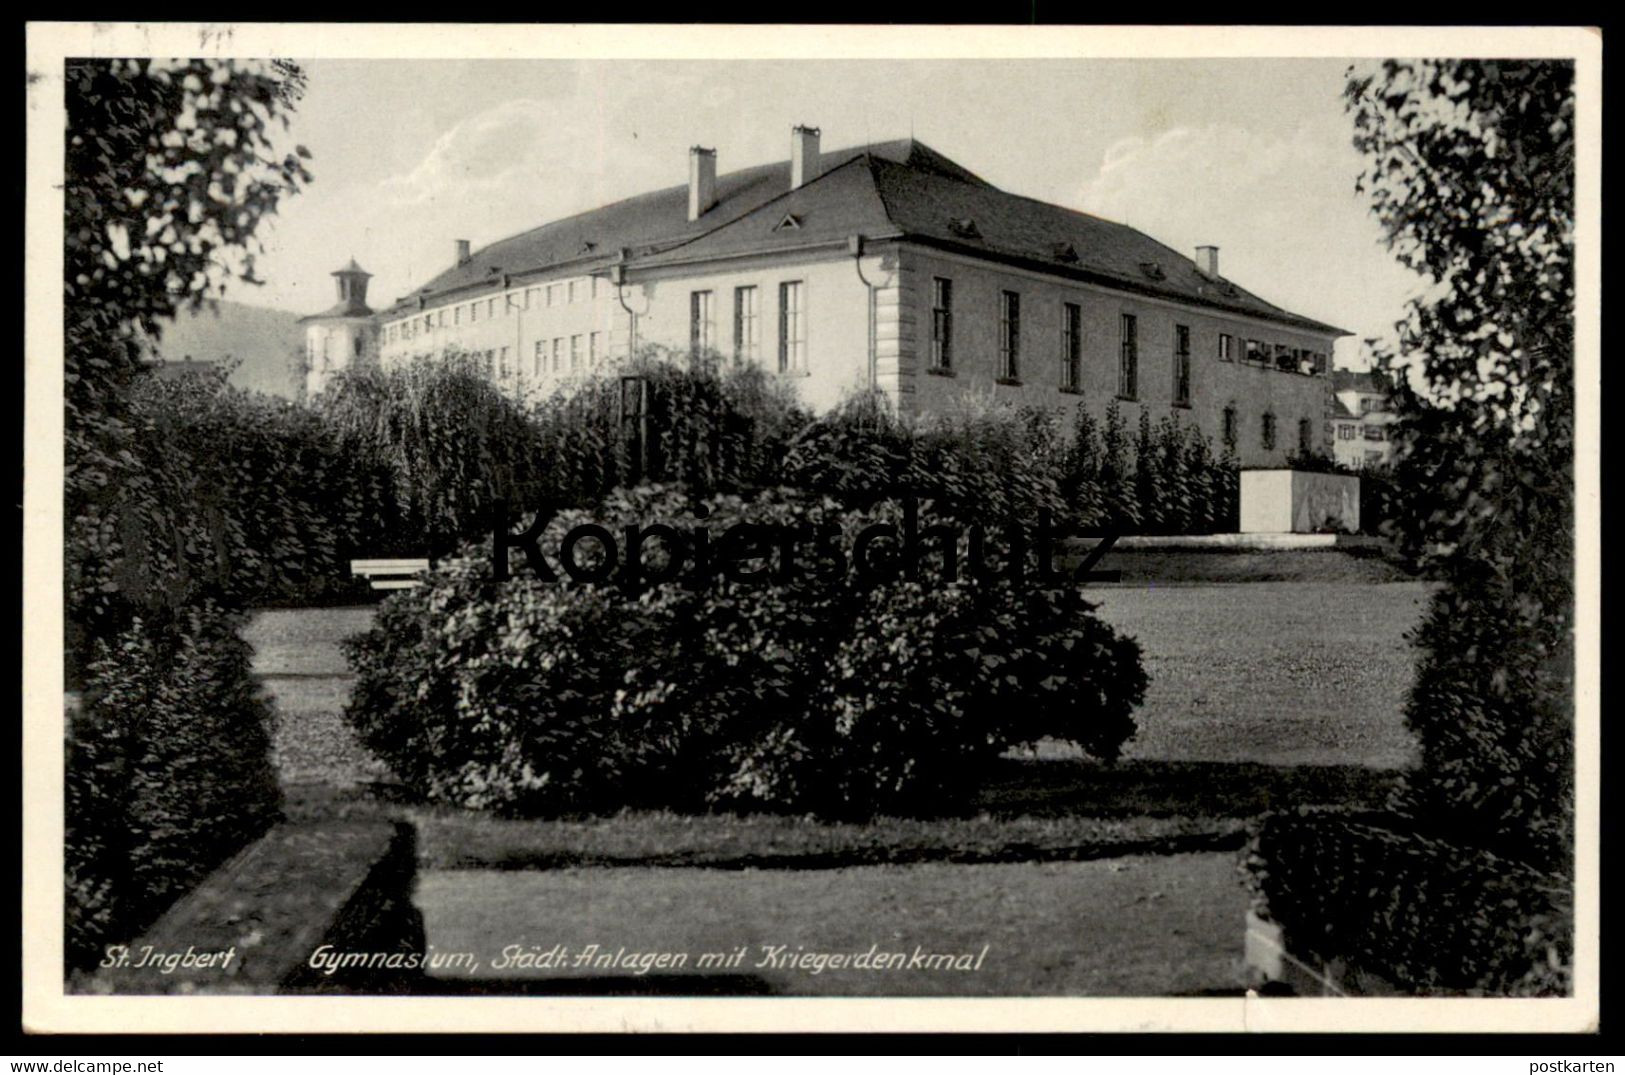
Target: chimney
(803, 155)
(702, 181)
(462, 252)
(1207, 260)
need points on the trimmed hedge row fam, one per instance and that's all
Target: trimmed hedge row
(1428, 916)
(168, 772)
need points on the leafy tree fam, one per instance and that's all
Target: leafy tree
(170, 169)
(1469, 165)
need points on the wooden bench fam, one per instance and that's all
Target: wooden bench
(389, 574)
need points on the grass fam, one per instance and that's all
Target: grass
(1133, 926)
(1349, 565)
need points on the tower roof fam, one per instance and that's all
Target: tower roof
(351, 269)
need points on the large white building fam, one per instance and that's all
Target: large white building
(886, 266)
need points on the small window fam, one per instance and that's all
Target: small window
(1010, 336)
(1182, 365)
(1345, 431)
(1226, 348)
(1306, 435)
(792, 328)
(942, 323)
(1071, 346)
(747, 325)
(1267, 432)
(1128, 362)
(701, 325)
(1231, 430)
(1375, 433)
(1255, 352)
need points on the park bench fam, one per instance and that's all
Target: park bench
(389, 574)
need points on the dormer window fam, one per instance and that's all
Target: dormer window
(964, 228)
(789, 223)
(1153, 270)
(1064, 252)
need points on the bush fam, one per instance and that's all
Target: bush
(816, 692)
(1426, 915)
(168, 772)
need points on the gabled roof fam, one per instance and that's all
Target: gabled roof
(902, 189)
(1368, 382)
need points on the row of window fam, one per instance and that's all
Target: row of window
(1231, 431)
(747, 324)
(1071, 356)
(1348, 431)
(544, 296)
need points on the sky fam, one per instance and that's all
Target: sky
(1250, 155)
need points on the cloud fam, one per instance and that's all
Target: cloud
(1281, 208)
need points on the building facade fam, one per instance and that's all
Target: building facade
(344, 336)
(888, 267)
(1360, 420)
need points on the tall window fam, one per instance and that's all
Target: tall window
(573, 291)
(1071, 345)
(792, 328)
(1010, 335)
(1227, 351)
(575, 352)
(490, 308)
(539, 359)
(942, 324)
(502, 364)
(1128, 363)
(1306, 436)
(747, 325)
(701, 325)
(1267, 432)
(552, 294)
(594, 348)
(473, 311)
(456, 315)
(1182, 365)
(558, 352)
(1232, 432)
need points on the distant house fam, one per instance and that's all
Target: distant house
(1360, 419)
(886, 266)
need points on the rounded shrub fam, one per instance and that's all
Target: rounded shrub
(794, 680)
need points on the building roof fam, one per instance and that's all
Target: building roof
(901, 189)
(1366, 382)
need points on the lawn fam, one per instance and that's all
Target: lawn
(1130, 926)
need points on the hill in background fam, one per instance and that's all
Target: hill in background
(266, 344)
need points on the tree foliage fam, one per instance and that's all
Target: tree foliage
(1469, 166)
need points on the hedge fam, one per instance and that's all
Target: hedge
(168, 772)
(1426, 915)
